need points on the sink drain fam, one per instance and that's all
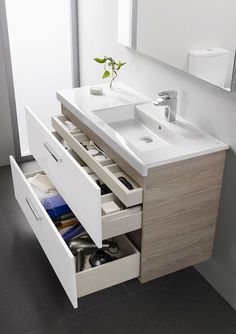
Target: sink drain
(146, 140)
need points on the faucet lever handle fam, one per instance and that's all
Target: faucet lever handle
(168, 94)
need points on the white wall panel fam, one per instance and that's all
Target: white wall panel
(41, 52)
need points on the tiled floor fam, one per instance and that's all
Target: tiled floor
(33, 302)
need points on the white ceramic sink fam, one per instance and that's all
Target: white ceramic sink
(145, 127)
(136, 129)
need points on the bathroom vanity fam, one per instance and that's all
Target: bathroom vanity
(165, 223)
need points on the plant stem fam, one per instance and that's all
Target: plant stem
(113, 78)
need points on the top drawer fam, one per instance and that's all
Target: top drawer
(81, 193)
(108, 171)
(76, 186)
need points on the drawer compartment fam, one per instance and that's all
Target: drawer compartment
(107, 170)
(121, 222)
(75, 284)
(112, 273)
(47, 234)
(76, 186)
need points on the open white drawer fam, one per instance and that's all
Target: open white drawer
(47, 234)
(75, 284)
(78, 189)
(107, 170)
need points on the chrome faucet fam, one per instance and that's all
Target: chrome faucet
(168, 99)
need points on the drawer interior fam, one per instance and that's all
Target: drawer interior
(99, 162)
(88, 145)
(116, 218)
(81, 162)
(124, 268)
(111, 167)
(125, 265)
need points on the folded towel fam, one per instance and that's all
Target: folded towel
(42, 183)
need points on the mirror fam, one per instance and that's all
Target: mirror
(196, 36)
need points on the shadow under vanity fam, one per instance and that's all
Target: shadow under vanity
(161, 222)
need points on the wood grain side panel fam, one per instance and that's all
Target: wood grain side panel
(179, 214)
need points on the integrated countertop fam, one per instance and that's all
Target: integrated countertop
(82, 104)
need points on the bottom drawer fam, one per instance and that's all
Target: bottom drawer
(76, 284)
(112, 273)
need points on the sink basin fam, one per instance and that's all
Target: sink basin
(145, 128)
(135, 129)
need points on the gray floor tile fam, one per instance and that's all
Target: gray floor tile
(134, 286)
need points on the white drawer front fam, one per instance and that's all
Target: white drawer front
(80, 192)
(50, 239)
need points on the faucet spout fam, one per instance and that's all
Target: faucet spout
(168, 99)
(159, 102)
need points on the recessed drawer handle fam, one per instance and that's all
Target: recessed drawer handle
(37, 217)
(53, 154)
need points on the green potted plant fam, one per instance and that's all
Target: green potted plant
(111, 67)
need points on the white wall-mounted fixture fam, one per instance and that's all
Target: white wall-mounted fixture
(210, 64)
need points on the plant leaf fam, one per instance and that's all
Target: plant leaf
(120, 65)
(100, 60)
(106, 74)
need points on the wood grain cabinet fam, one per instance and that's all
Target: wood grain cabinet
(166, 222)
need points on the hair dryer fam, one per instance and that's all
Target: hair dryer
(79, 246)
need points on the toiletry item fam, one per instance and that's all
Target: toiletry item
(96, 152)
(100, 257)
(67, 216)
(64, 218)
(104, 188)
(110, 207)
(91, 143)
(55, 206)
(41, 182)
(73, 232)
(100, 157)
(66, 223)
(125, 182)
(70, 125)
(96, 90)
(93, 152)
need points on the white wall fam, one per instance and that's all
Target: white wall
(211, 108)
(41, 55)
(6, 138)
